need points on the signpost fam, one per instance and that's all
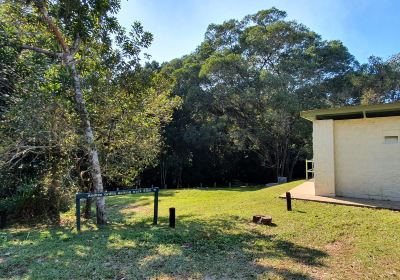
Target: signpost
(80, 196)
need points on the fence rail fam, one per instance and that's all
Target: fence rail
(80, 196)
(309, 168)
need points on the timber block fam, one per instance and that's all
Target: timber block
(261, 219)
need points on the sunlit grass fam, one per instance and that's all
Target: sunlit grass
(214, 239)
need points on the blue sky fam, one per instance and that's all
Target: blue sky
(366, 27)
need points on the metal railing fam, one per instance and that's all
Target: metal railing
(309, 168)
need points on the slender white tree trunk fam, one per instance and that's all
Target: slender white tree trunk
(67, 56)
(91, 146)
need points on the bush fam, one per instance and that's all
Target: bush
(33, 201)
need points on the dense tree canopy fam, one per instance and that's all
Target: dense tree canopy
(78, 107)
(67, 98)
(243, 89)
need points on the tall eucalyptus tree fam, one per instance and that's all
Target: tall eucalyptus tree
(64, 30)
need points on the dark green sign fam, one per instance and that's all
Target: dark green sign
(80, 196)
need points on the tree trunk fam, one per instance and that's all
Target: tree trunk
(67, 56)
(54, 197)
(87, 212)
(293, 164)
(163, 171)
(95, 169)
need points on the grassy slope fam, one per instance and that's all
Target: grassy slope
(213, 239)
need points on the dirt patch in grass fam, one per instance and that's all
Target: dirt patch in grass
(289, 269)
(335, 247)
(390, 272)
(135, 208)
(131, 208)
(340, 247)
(346, 266)
(338, 251)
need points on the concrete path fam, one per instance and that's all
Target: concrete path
(306, 191)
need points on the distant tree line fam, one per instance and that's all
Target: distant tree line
(79, 111)
(242, 91)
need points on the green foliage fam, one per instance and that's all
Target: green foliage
(239, 96)
(378, 81)
(243, 89)
(129, 126)
(41, 141)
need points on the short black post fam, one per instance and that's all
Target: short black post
(172, 217)
(78, 213)
(289, 201)
(3, 219)
(155, 218)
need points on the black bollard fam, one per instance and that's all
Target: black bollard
(289, 201)
(3, 219)
(172, 217)
(155, 217)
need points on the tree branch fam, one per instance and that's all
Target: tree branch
(75, 46)
(50, 22)
(42, 51)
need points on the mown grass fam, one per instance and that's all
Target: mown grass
(214, 239)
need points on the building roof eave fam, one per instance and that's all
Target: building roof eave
(353, 112)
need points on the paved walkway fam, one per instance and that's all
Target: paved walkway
(306, 191)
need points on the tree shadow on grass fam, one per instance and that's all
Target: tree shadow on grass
(123, 208)
(197, 249)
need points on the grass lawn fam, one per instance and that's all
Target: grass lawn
(214, 239)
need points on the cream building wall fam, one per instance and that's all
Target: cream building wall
(367, 162)
(358, 157)
(324, 157)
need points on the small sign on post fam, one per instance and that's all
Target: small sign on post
(80, 196)
(282, 180)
